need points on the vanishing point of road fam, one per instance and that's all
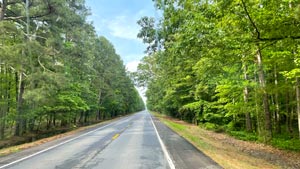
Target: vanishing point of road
(138, 141)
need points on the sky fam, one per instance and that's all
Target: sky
(117, 21)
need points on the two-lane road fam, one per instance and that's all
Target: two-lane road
(128, 143)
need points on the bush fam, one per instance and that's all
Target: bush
(243, 135)
(213, 127)
(233, 125)
(210, 126)
(281, 143)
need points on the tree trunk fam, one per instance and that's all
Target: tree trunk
(248, 116)
(7, 96)
(277, 109)
(2, 9)
(291, 122)
(86, 116)
(80, 117)
(2, 101)
(246, 96)
(267, 133)
(99, 104)
(289, 113)
(39, 124)
(54, 119)
(20, 121)
(259, 118)
(298, 102)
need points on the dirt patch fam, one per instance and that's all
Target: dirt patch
(232, 153)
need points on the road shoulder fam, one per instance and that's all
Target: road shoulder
(230, 152)
(183, 153)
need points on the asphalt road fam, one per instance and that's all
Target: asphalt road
(131, 142)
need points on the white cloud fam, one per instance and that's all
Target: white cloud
(123, 26)
(132, 66)
(142, 13)
(132, 57)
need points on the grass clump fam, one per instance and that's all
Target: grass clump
(176, 126)
(243, 135)
(284, 143)
(185, 132)
(291, 144)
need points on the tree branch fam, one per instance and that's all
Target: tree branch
(45, 69)
(258, 32)
(250, 19)
(13, 17)
(50, 9)
(279, 38)
(13, 2)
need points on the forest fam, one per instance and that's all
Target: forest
(227, 65)
(55, 71)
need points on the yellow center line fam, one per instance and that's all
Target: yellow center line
(115, 136)
(118, 134)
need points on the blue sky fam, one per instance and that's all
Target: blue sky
(116, 20)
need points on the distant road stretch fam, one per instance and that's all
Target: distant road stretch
(133, 142)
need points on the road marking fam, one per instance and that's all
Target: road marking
(115, 136)
(62, 143)
(170, 162)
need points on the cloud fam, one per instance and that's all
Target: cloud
(132, 57)
(120, 27)
(132, 66)
(125, 25)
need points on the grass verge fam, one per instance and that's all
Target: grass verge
(230, 152)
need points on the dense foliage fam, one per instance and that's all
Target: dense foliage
(227, 64)
(55, 71)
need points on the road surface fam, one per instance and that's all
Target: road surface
(131, 142)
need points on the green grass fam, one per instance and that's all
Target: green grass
(280, 141)
(243, 135)
(182, 130)
(175, 126)
(291, 144)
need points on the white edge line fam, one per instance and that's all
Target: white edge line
(171, 164)
(57, 145)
